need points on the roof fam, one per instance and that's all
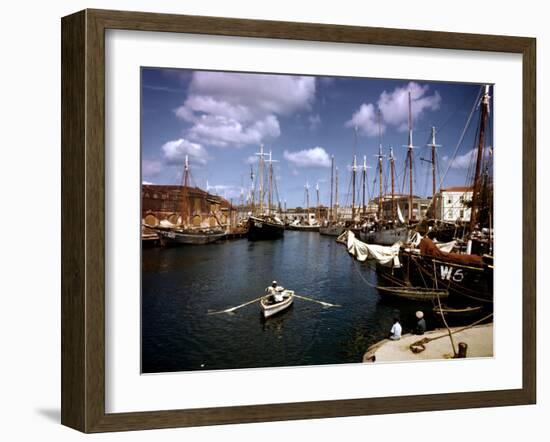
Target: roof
(192, 192)
(458, 189)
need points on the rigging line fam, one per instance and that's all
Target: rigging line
(458, 287)
(398, 289)
(457, 108)
(462, 135)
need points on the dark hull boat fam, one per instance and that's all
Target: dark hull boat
(260, 228)
(467, 278)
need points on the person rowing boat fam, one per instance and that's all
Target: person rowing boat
(276, 292)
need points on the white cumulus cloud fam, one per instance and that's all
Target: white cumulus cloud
(174, 152)
(394, 108)
(366, 120)
(235, 110)
(226, 191)
(467, 159)
(314, 157)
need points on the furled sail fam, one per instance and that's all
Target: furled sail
(400, 215)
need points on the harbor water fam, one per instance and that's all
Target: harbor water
(181, 285)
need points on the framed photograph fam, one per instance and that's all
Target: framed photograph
(267, 221)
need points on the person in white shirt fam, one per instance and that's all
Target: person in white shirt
(395, 332)
(275, 291)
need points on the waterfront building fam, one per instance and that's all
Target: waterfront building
(420, 206)
(453, 203)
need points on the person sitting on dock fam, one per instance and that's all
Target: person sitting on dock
(420, 328)
(395, 332)
(275, 291)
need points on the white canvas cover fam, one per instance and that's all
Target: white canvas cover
(384, 255)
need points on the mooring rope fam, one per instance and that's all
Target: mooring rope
(444, 335)
(400, 289)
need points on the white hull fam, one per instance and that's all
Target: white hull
(272, 309)
(386, 237)
(332, 230)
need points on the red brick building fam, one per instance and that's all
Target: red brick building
(163, 202)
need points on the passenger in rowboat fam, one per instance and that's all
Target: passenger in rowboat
(276, 292)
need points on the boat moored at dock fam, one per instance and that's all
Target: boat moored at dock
(176, 237)
(264, 228)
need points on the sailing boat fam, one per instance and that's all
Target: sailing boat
(183, 233)
(332, 226)
(465, 276)
(310, 224)
(264, 225)
(388, 232)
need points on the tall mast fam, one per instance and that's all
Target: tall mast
(261, 176)
(318, 215)
(251, 188)
(392, 170)
(364, 177)
(184, 193)
(479, 160)
(261, 154)
(307, 199)
(433, 146)
(354, 173)
(380, 156)
(331, 186)
(270, 185)
(410, 159)
(336, 204)
(186, 172)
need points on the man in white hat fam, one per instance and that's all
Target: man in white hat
(275, 291)
(420, 324)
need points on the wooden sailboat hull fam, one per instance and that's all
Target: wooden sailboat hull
(303, 228)
(465, 283)
(457, 312)
(171, 237)
(260, 229)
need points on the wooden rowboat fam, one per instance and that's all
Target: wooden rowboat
(464, 311)
(270, 308)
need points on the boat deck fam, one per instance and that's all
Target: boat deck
(478, 338)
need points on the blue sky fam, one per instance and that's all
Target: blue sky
(220, 119)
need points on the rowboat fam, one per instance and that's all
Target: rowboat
(450, 311)
(270, 308)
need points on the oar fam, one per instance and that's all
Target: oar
(232, 309)
(325, 304)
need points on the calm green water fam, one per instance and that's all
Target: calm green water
(180, 285)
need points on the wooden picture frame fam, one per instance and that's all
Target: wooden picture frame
(83, 219)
